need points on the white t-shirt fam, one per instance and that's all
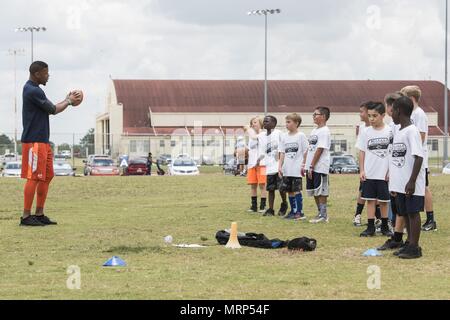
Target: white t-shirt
(420, 120)
(269, 147)
(362, 126)
(375, 144)
(293, 146)
(253, 151)
(319, 138)
(407, 144)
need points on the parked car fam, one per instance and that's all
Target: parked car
(230, 167)
(136, 166)
(165, 159)
(90, 159)
(343, 164)
(101, 167)
(66, 153)
(183, 166)
(204, 160)
(12, 169)
(59, 157)
(10, 157)
(63, 169)
(446, 169)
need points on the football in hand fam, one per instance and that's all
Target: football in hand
(78, 95)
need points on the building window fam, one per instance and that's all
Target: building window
(338, 146)
(434, 145)
(133, 147)
(173, 143)
(146, 146)
(162, 143)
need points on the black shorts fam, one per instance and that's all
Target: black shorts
(318, 185)
(427, 173)
(291, 184)
(273, 182)
(375, 190)
(409, 205)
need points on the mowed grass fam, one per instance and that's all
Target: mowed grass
(99, 217)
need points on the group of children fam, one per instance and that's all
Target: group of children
(278, 161)
(393, 164)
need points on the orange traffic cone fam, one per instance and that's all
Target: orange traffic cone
(233, 242)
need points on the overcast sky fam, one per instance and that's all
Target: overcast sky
(88, 41)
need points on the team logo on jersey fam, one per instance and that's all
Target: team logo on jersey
(312, 142)
(398, 154)
(272, 148)
(379, 147)
(291, 149)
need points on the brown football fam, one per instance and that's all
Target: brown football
(79, 100)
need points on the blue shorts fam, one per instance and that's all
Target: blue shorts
(409, 205)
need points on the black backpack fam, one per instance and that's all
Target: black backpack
(259, 240)
(254, 240)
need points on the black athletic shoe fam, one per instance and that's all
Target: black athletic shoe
(411, 253)
(429, 226)
(283, 209)
(253, 209)
(386, 232)
(31, 221)
(45, 220)
(390, 244)
(367, 233)
(269, 212)
(402, 248)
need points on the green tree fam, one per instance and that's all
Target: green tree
(6, 143)
(87, 142)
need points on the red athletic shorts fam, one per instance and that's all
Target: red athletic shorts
(257, 175)
(37, 161)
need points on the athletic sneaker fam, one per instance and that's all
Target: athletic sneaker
(402, 248)
(31, 221)
(45, 220)
(269, 212)
(390, 244)
(378, 223)
(299, 216)
(290, 216)
(411, 252)
(283, 209)
(262, 208)
(252, 209)
(386, 232)
(357, 221)
(319, 219)
(367, 233)
(429, 226)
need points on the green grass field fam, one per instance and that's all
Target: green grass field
(128, 216)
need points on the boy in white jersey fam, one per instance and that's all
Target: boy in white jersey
(396, 241)
(407, 175)
(269, 152)
(374, 167)
(316, 163)
(293, 146)
(420, 120)
(363, 115)
(256, 175)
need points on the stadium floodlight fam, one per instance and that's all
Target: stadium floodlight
(31, 30)
(265, 12)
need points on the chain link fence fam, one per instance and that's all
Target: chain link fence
(209, 148)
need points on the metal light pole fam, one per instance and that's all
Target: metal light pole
(15, 52)
(265, 12)
(446, 90)
(31, 29)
